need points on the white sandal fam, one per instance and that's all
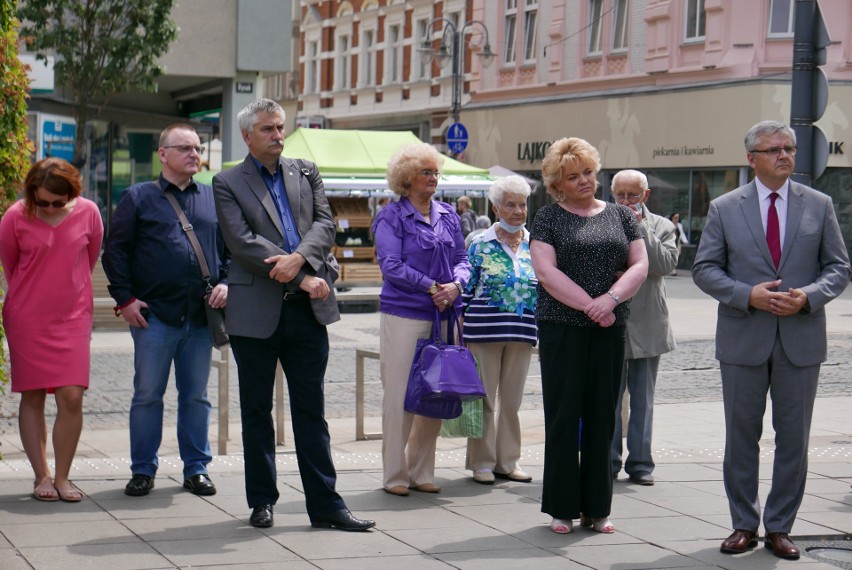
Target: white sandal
(562, 526)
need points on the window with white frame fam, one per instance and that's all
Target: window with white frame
(510, 22)
(694, 20)
(312, 68)
(422, 57)
(781, 17)
(343, 76)
(393, 73)
(620, 26)
(530, 29)
(368, 59)
(595, 24)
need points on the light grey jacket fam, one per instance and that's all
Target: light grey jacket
(733, 256)
(648, 330)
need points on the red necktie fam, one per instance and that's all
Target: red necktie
(773, 230)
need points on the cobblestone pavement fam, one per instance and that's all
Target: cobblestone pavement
(689, 374)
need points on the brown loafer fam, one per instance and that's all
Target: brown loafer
(740, 541)
(781, 545)
(398, 490)
(427, 488)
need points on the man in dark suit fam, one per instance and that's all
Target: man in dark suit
(773, 256)
(277, 222)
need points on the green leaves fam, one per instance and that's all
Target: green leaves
(15, 148)
(102, 47)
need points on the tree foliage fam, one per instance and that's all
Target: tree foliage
(15, 148)
(102, 47)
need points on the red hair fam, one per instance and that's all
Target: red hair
(54, 175)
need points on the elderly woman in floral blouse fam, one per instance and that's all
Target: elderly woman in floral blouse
(500, 330)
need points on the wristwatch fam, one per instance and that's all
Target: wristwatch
(434, 288)
(615, 298)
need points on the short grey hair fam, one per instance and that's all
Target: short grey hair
(512, 184)
(767, 128)
(248, 116)
(483, 222)
(629, 176)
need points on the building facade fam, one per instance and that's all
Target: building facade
(216, 66)
(669, 87)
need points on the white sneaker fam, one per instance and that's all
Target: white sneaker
(484, 476)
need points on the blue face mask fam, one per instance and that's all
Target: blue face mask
(510, 228)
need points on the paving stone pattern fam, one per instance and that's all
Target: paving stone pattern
(689, 374)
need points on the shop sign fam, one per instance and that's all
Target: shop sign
(683, 150)
(532, 151)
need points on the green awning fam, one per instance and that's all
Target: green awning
(355, 162)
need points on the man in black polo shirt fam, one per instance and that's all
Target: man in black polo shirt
(156, 281)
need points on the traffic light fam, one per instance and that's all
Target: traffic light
(809, 91)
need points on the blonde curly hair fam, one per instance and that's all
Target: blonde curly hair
(571, 153)
(407, 162)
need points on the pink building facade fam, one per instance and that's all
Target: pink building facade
(665, 86)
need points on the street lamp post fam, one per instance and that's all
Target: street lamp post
(452, 49)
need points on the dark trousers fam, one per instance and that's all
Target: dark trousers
(580, 377)
(300, 343)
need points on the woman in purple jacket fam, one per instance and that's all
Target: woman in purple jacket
(421, 253)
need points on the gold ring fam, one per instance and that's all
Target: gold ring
(446, 302)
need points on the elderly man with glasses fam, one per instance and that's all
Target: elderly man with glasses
(648, 332)
(156, 281)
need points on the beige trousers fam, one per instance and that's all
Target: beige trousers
(408, 440)
(504, 367)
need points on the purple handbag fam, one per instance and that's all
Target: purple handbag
(442, 374)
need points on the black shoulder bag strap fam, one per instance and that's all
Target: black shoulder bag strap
(193, 239)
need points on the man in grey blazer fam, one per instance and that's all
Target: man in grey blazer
(648, 333)
(773, 256)
(276, 221)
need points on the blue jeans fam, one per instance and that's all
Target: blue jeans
(639, 378)
(155, 349)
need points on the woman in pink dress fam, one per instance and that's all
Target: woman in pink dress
(49, 244)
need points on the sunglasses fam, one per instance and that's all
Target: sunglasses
(55, 203)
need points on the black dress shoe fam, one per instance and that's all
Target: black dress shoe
(200, 485)
(740, 541)
(342, 520)
(642, 479)
(781, 545)
(139, 485)
(261, 516)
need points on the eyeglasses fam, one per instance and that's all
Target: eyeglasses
(186, 148)
(430, 173)
(627, 197)
(776, 150)
(55, 203)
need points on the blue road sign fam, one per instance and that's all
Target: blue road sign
(457, 138)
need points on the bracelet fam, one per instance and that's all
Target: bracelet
(614, 296)
(458, 286)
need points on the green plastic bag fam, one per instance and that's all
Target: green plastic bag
(468, 424)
